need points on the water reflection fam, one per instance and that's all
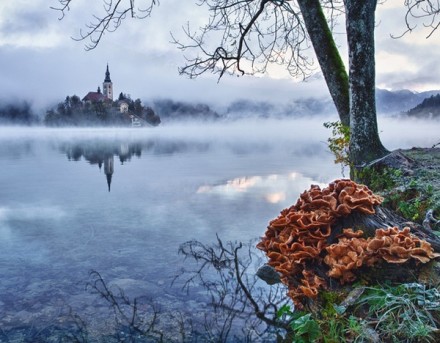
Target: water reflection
(14, 151)
(181, 184)
(102, 153)
(274, 188)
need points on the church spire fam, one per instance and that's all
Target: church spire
(107, 75)
(107, 85)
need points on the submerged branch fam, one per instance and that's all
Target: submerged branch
(231, 288)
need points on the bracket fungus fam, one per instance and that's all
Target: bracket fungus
(302, 248)
(390, 245)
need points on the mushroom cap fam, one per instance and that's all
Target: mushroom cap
(297, 239)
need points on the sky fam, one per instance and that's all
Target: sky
(41, 63)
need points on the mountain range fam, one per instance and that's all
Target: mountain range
(389, 103)
(397, 102)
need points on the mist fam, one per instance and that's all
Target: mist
(254, 133)
(19, 112)
(406, 133)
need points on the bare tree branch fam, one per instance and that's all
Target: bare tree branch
(426, 12)
(115, 11)
(250, 35)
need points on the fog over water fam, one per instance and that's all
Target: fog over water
(121, 201)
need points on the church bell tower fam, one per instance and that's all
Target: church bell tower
(107, 85)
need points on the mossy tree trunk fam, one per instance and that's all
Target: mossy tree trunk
(365, 144)
(353, 95)
(328, 56)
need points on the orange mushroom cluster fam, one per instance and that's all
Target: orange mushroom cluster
(297, 240)
(298, 236)
(391, 245)
(348, 254)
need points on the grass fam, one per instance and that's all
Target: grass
(403, 313)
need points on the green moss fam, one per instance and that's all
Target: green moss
(411, 194)
(379, 181)
(328, 301)
(334, 51)
(426, 177)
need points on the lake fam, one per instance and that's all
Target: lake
(121, 201)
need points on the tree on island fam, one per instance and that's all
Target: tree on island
(74, 112)
(259, 32)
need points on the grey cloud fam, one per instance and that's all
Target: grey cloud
(29, 21)
(25, 21)
(409, 80)
(424, 67)
(144, 64)
(46, 76)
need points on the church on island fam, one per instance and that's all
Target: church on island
(106, 95)
(132, 110)
(99, 108)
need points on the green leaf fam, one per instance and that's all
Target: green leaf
(340, 309)
(307, 327)
(284, 310)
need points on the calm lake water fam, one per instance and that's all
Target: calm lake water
(121, 201)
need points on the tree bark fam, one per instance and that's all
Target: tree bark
(328, 56)
(365, 144)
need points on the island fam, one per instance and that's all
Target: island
(99, 109)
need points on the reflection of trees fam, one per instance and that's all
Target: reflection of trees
(102, 153)
(237, 297)
(226, 302)
(95, 152)
(234, 305)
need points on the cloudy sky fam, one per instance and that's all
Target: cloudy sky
(40, 62)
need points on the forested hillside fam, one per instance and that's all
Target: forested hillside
(428, 108)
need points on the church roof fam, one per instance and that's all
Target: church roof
(94, 97)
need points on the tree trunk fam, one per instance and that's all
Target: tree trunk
(365, 144)
(328, 56)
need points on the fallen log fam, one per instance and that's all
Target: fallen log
(384, 218)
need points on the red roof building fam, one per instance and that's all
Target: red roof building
(99, 96)
(95, 97)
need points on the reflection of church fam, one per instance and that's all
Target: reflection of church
(108, 170)
(102, 153)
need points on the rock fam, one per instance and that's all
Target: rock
(131, 287)
(268, 275)
(395, 160)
